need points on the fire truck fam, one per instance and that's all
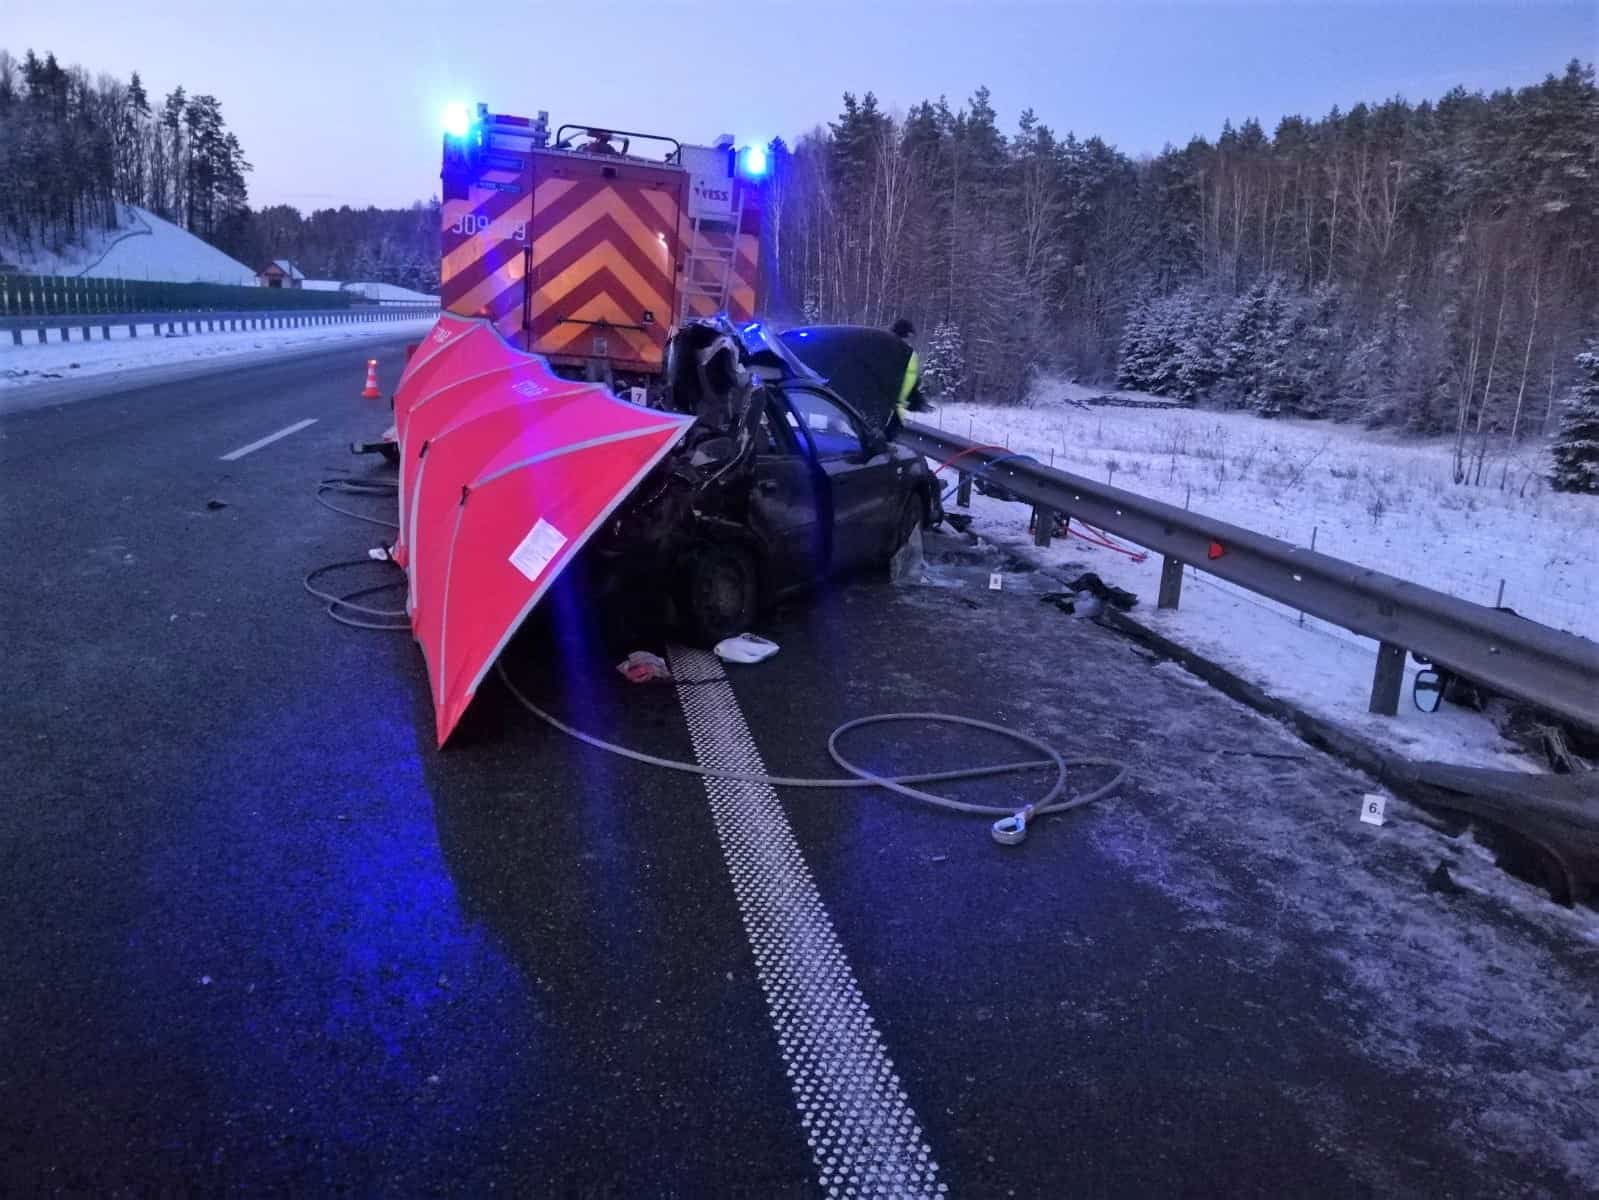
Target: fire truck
(588, 246)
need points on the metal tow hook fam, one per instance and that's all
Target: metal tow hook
(1012, 831)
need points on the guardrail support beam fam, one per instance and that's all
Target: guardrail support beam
(1388, 680)
(1043, 526)
(1171, 582)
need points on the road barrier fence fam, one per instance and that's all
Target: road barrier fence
(1546, 667)
(205, 320)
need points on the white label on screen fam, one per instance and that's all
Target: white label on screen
(533, 554)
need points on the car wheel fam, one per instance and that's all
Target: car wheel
(720, 592)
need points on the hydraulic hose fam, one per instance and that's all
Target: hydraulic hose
(1009, 829)
(397, 619)
(347, 485)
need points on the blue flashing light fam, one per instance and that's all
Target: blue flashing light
(457, 119)
(753, 162)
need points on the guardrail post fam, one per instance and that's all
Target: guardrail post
(1388, 680)
(1171, 582)
(105, 333)
(16, 337)
(133, 329)
(1043, 526)
(963, 493)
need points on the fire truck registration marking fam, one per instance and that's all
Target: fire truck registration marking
(472, 224)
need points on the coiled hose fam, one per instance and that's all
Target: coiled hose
(1009, 829)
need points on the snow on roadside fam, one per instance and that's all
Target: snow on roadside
(1284, 479)
(1371, 498)
(35, 366)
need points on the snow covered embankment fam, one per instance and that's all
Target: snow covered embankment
(1384, 503)
(143, 246)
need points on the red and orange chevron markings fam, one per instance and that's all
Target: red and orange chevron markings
(604, 251)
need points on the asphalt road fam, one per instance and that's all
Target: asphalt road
(257, 934)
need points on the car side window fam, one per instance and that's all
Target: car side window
(831, 428)
(774, 433)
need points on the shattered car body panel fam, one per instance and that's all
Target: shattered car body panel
(778, 469)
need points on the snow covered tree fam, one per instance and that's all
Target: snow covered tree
(944, 364)
(1135, 363)
(1313, 355)
(1285, 374)
(1576, 448)
(1245, 346)
(1165, 323)
(1197, 362)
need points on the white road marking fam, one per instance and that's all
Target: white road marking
(268, 440)
(865, 1140)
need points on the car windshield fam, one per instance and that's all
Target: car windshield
(758, 338)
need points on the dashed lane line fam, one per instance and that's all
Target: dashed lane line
(233, 455)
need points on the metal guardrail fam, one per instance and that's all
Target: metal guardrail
(1545, 667)
(203, 321)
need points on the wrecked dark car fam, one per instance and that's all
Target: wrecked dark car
(780, 483)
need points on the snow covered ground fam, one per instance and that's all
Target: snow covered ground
(1369, 498)
(32, 368)
(143, 246)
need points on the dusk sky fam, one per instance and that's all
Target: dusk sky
(338, 102)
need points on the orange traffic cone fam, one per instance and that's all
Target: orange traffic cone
(371, 392)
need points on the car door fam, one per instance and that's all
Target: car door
(861, 487)
(787, 499)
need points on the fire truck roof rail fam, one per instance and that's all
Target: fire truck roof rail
(625, 134)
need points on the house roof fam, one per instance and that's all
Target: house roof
(287, 267)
